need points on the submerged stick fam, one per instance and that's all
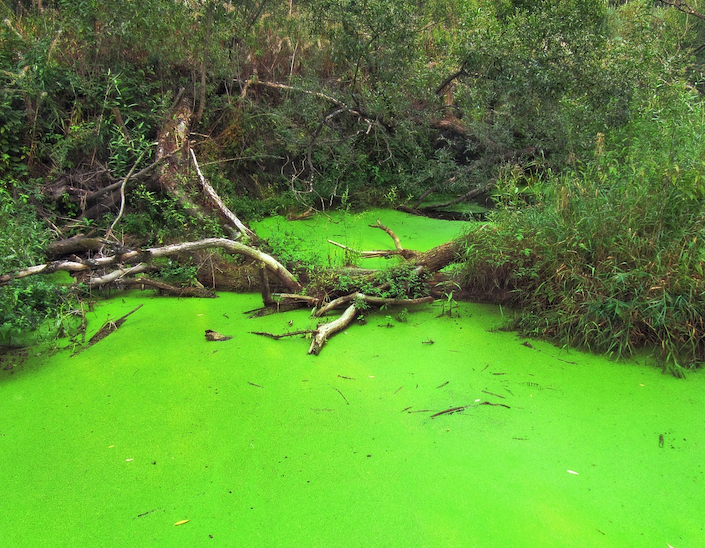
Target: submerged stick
(107, 328)
(450, 411)
(281, 336)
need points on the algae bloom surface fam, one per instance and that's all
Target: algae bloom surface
(434, 432)
(256, 443)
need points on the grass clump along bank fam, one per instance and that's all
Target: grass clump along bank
(609, 256)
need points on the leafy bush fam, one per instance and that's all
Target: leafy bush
(610, 257)
(30, 303)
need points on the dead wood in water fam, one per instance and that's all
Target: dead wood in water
(112, 263)
(145, 256)
(110, 326)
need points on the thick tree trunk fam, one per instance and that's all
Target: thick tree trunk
(439, 257)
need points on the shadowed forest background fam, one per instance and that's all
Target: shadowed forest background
(570, 132)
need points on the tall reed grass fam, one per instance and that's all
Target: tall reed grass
(609, 257)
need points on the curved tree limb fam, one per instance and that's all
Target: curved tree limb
(376, 301)
(133, 256)
(683, 7)
(122, 193)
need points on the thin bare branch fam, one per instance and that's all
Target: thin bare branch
(684, 8)
(224, 210)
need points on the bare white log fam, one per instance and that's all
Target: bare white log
(119, 273)
(326, 330)
(224, 210)
(231, 246)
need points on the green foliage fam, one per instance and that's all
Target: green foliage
(610, 257)
(292, 249)
(174, 271)
(157, 219)
(399, 282)
(27, 304)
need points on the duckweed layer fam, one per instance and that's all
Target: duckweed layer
(308, 238)
(258, 444)
(435, 432)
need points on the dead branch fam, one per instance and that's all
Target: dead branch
(75, 244)
(119, 273)
(329, 98)
(477, 191)
(399, 250)
(139, 175)
(122, 193)
(375, 301)
(171, 290)
(684, 8)
(423, 196)
(224, 210)
(108, 328)
(457, 74)
(366, 254)
(406, 253)
(328, 329)
(282, 335)
(133, 256)
(264, 284)
(231, 246)
(303, 298)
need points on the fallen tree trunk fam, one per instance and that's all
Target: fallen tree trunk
(125, 263)
(144, 257)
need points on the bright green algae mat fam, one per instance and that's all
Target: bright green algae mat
(258, 444)
(309, 237)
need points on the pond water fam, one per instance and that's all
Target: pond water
(256, 443)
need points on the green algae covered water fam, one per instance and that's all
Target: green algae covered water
(440, 431)
(309, 238)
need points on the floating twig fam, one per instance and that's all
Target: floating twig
(281, 336)
(527, 344)
(494, 404)
(450, 411)
(107, 328)
(341, 394)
